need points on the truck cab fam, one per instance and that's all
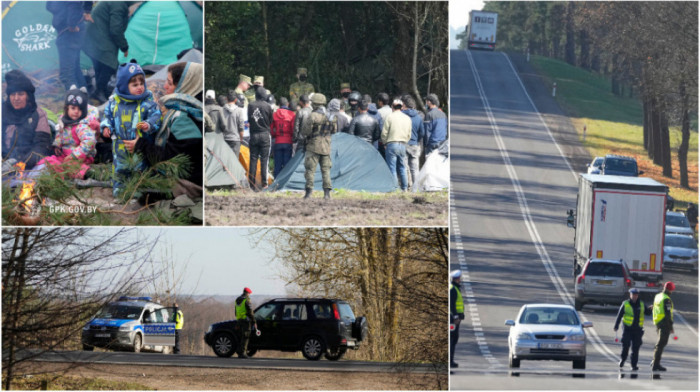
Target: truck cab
(131, 323)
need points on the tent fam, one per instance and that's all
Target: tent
(435, 173)
(244, 158)
(221, 167)
(357, 165)
(157, 31)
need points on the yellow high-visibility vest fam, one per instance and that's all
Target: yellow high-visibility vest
(659, 313)
(459, 304)
(628, 317)
(179, 319)
(241, 313)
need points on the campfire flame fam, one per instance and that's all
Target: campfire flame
(27, 195)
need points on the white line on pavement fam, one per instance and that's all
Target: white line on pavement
(525, 211)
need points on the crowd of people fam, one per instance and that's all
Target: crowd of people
(133, 120)
(305, 121)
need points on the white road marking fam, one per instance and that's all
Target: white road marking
(525, 210)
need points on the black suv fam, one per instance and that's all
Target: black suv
(316, 327)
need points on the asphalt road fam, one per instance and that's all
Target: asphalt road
(511, 188)
(156, 359)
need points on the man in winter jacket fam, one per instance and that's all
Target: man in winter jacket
(413, 149)
(282, 131)
(365, 126)
(214, 111)
(69, 21)
(260, 119)
(234, 116)
(334, 112)
(436, 124)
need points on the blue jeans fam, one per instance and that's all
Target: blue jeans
(396, 159)
(283, 153)
(69, 45)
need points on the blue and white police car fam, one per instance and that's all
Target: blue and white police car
(131, 323)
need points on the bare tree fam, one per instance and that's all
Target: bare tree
(55, 279)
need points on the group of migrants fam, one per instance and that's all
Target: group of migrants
(306, 121)
(132, 122)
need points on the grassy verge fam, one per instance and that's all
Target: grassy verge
(343, 194)
(56, 382)
(614, 124)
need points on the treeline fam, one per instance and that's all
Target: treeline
(648, 50)
(392, 47)
(396, 277)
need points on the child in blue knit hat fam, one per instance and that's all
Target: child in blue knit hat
(131, 113)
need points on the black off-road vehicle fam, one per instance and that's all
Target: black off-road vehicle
(316, 327)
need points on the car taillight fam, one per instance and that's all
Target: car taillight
(581, 279)
(628, 282)
(335, 312)
(651, 284)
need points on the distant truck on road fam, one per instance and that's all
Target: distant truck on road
(481, 31)
(621, 218)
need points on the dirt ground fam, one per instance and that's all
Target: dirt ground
(183, 378)
(348, 209)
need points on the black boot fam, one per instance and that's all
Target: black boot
(308, 193)
(326, 194)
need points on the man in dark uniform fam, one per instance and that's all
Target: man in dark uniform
(632, 315)
(179, 322)
(663, 319)
(246, 320)
(456, 312)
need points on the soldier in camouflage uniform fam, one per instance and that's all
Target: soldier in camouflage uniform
(258, 81)
(318, 128)
(345, 92)
(243, 87)
(297, 89)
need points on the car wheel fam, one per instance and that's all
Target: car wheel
(579, 363)
(578, 305)
(335, 354)
(224, 345)
(313, 348)
(88, 348)
(138, 343)
(513, 362)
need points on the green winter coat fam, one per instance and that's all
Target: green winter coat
(105, 38)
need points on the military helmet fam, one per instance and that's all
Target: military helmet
(355, 96)
(318, 99)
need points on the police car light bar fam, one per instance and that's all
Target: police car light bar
(124, 298)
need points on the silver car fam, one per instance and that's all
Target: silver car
(547, 332)
(602, 282)
(680, 251)
(677, 223)
(594, 166)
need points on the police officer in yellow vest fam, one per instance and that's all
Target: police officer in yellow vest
(632, 315)
(179, 322)
(662, 312)
(246, 320)
(456, 312)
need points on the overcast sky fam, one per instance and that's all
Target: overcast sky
(219, 261)
(459, 12)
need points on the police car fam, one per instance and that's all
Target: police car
(131, 323)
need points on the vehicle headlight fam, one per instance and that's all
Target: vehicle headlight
(578, 337)
(86, 327)
(523, 336)
(125, 328)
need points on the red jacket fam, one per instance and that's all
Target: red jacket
(282, 126)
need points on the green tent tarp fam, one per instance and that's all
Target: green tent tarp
(357, 165)
(222, 168)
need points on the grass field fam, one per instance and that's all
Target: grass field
(58, 382)
(614, 124)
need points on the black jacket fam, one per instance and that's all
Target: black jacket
(259, 116)
(365, 127)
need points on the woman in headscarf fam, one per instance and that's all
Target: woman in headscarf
(26, 134)
(181, 131)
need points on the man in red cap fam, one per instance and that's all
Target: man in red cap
(662, 312)
(246, 319)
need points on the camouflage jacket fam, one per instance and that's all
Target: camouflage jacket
(317, 129)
